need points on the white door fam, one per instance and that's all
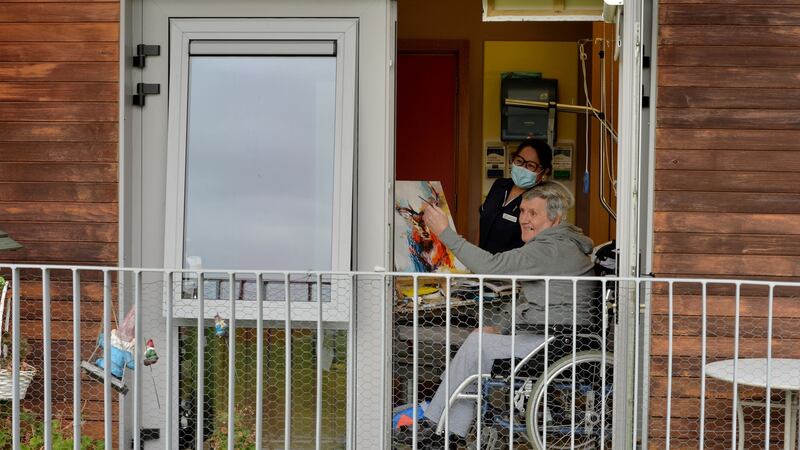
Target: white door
(271, 128)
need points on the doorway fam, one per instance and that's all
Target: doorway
(432, 115)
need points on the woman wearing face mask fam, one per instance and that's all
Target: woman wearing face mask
(500, 229)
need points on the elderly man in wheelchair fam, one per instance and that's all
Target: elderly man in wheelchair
(560, 407)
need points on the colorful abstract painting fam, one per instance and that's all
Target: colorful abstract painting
(417, 249)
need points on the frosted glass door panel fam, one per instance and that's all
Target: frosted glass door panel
(260, 162)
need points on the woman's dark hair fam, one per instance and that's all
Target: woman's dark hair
(543, 152)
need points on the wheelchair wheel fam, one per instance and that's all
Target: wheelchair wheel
(592, 400)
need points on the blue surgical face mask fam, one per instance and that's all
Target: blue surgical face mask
(523, 177)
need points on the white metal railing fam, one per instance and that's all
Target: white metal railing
(282, 370)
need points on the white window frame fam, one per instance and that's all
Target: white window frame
(342, 32)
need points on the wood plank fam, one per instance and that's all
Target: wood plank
(772, 224)
(690, 369)
(692, 182)
(724, 35)
(727, 56)
(58, 1)
(722, 347)
(61, 310)
(91, 291)
(724, 97)
(711, 14)
(731, 244)
(58, 132)
(59, 151)
(59, 92)
(59, 112)
(58, 212)
(687, 444)
(59, 51)
(751, 327)
(707, 2)
(59, 71)
(753, 119)
(33, 328)
(718, 285)
(64, 171)
(747, 266)
(689, 387)
(59, 12)
(62, 231)
(59, 192)
(725, 306)
(689, 408)
(8, 258)
(742, 77)
(728, 139)
(718, 432)
(68, 251)
(734, 160)
(730, 202)
(58, 32)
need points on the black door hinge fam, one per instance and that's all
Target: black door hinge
(143, 51)
(143, 90)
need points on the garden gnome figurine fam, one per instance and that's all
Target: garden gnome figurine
(220, 326)
(150, 355)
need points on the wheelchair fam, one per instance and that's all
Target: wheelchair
(566, 403)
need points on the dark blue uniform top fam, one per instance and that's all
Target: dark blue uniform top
(499, 232)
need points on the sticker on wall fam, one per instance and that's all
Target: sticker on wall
(562, 162)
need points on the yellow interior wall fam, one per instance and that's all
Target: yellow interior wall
(557, 60)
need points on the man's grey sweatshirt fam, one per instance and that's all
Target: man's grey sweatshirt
(561, 250)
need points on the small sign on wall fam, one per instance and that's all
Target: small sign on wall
(562, 161)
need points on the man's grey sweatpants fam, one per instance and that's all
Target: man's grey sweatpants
(464, 364)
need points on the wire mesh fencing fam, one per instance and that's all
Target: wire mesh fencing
(195, 359)
(508, 362)
(723, 368)
(385, 360)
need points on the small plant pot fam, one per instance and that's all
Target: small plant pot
(26, 375)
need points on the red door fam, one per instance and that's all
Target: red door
(426, 119)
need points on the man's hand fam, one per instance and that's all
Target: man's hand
(435, 218)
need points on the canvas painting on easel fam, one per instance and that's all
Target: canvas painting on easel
(417, 249)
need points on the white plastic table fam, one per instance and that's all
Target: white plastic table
(784, 376)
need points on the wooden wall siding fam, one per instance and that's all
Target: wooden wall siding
(727, 202)
(59, 94)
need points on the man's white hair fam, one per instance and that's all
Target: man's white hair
(559, 199)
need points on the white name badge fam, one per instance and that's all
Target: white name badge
(509, 217)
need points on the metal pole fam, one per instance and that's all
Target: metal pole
(320, 338)
(734, 422)
(703, 367)
(478, 403)
(259, 360)
(513, 361)
(48, 373)
(231, 359)
(415, 365)
(107, 412)
(767, 420)
(169, 417)
(201, 355)
(287, 330)
(76, 359)
(138, 347)
(447, 364)
(669, 372)
(15, 363)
